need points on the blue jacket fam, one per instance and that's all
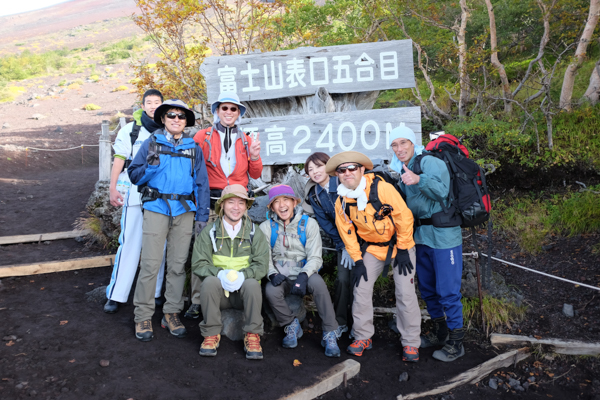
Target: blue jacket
(325, 211)
(173, 175)
(421, 199)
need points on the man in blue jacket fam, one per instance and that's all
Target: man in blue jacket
(439, 249)
(171, 170)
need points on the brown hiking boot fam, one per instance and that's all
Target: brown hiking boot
(210, 345)
(175, 326)
(252, 346)
(143, 331)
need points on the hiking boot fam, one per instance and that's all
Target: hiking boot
(209, 346)
(454, 347)
(358, 346)
(329, 341)
(252, 346)
(293, 332)
(410, 354)
(340, 330)
(438, 334)
(172, 322)
(193, 312)
(143, 331)
(111, 306)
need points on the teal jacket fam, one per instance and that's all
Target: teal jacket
(422, 201)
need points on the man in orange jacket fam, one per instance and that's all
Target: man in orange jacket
(231, 157)
(377, 228)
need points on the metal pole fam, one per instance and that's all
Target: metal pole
(479, 291)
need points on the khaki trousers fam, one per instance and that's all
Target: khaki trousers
(195, 280)
(315, 286)
(156, 229)
(408, 314)
(213, 300)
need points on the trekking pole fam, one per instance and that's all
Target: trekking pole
(479, 291)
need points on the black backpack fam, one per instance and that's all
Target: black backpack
(469, 196)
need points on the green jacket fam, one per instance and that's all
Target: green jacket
(213, 251)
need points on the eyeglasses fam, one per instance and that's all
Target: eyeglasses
(225, 108)
(172, 115)
(351, 168)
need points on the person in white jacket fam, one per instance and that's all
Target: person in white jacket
(123, 193)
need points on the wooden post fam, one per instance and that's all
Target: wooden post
(104, 153)
(122, 123)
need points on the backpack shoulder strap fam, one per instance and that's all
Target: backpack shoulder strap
(213, 237)
(373, 193)
(274, 232)
(302, 229)
(252, 232)
(134, 134)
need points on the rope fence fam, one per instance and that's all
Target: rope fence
(475, 255)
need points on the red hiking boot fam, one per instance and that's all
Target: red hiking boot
(358, 346)
(410, 354)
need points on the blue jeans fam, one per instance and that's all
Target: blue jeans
(439, 273)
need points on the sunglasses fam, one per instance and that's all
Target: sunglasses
(351, 168)
(172, 115)
(225, 108)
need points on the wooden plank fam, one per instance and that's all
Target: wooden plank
(292, 138)
(560, 346)
(330, 380)
(300, 72)
(377, 311)
(42, 237)
(56, 266)
(473, 375)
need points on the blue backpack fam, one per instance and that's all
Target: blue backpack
(301, 230)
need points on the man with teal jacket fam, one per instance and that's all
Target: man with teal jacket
(439, 247)
(231, 256)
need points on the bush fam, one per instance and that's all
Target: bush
(577, 214)
(91, 107)
(28, 65)
(120, 88)
(73, 86)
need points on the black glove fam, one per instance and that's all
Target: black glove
(358, 271)
(402, 261)
(299, 287)
(198, 226)
(152, 158)
(277, 279)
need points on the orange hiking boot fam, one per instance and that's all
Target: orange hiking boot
(210, 345)
(252, 346)
(358, 346)
(410, 354)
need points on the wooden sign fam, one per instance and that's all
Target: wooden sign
(291, 139)
(300, 72)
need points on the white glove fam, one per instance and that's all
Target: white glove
(231, 280)
(347, 261)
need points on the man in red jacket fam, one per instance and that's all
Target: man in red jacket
(231, 157)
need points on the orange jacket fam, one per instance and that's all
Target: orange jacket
(211, 147)
(371, 230)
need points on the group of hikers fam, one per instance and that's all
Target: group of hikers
(183, 186)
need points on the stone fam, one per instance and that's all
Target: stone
(88, 95)
(493, 383)
(233, 321)
(6, 125)
(295, 303)
(9, 338)
(258, 211)
(38, 116)
(526, 385)
(97, 295)
(104, 363)
(568, 310)
(514, 383)
(403, 377)
(59, 129)
(531, 379)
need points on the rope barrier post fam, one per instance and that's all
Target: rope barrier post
(104, 153)
(26, 156)
(82, 154)
(477, 272)
(122, 123)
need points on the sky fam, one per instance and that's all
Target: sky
(16, 7)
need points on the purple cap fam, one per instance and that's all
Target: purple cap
(282, 190)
